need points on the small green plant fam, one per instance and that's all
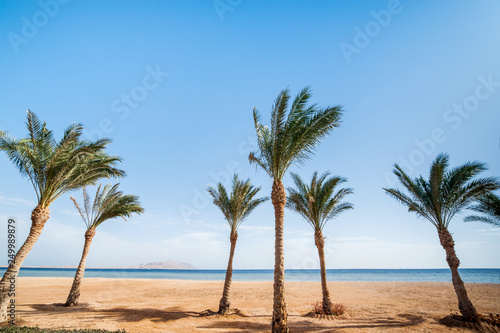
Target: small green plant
(336, 309)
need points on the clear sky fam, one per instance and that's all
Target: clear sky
(173, 84)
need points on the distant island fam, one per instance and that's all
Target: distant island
(169, 264)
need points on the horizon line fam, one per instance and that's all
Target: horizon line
(239, 269)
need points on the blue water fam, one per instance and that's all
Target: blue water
(415, 275)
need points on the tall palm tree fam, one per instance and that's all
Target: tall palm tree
(108, 204)
(235, 208)
(318, 203)
(292, 138)
(446, 193)
(53, 169)
(489, 205)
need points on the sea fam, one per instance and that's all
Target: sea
(470, 275)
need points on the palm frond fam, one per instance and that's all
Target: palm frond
(307, 134)
(293, 137)
(489, 206)
(446, 193)
(483, 218)
(239, 204)
(298, 105)
(81, 211)
(319, 201)
(108, 203)
(55, 168)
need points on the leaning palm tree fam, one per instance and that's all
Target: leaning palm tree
(235, 208)
(318, 203)
(108, 204)
(292, 138)
(446, 193)
(489, 205)
(53, 168)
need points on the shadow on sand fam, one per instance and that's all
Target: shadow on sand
(317, 325)
(479, 327)
(119, 313)
(236, 322)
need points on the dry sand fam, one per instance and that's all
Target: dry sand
(140, 305)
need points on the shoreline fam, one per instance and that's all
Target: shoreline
(308, 275)
(159, 305)
(85, 278)
(256, 269)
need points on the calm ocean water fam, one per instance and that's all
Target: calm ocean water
(433, 275)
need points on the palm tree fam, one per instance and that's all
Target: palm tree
(489, 205)
(318, 203)
(108, 204)
(53, 169)
(292, 138)
(446, 193)
(235, 208)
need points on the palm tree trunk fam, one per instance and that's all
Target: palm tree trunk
(279, 322)
(225, 303)
(39, 216)
(320, 244)
(464, 304)
(74, 293)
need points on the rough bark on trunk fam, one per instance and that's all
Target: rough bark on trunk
(39, 216)
(74, 294)
(464, 304)
(279, 322)
(320, 244)
(225, 303)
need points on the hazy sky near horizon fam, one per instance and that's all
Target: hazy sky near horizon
(173, 84)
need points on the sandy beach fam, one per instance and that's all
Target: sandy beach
(144, 305)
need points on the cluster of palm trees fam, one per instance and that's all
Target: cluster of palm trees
(317, 203)
(55, 168)
(291, 138)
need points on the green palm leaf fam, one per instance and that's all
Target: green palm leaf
(320, 201)
(54, 168)
(489, 206)
(293, 137)
(446, 193)
(108, 203)
(239, 203)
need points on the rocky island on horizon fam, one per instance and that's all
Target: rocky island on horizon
(169, 264)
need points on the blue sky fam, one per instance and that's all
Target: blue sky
(173, 84)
